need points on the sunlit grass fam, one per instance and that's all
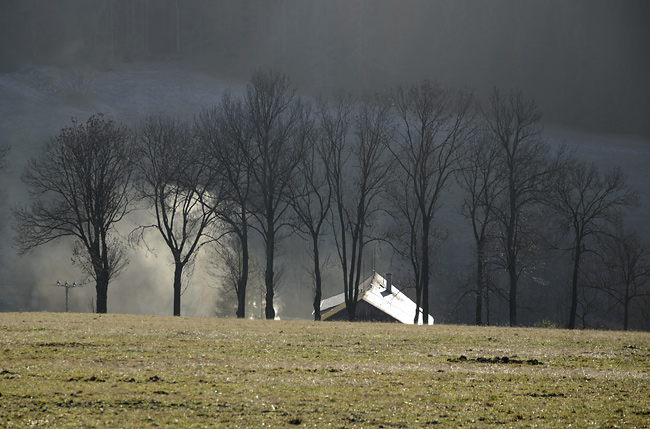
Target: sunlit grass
(132, 371)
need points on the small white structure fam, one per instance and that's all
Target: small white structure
(379, 300)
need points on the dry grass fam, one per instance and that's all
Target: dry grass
(84, 370)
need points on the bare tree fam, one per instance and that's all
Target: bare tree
(479, 180)
(589, 301)
(587, 203)
(227, 264)
(311, 199)
(226, 135)
(625, 274)
(524, 167)
(357, 137)
(179, 189)
(279, 126)
(435, 125)
(80, 187)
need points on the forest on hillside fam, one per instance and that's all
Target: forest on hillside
(585, 62)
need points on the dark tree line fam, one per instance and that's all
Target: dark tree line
(359, 43)
(512, 180)
(351, 170)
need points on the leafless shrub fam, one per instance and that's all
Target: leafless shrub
(78, 81)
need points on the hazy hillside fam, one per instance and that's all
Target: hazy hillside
(36, 102)
(586, 62)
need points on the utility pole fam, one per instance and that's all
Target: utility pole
(67, 287)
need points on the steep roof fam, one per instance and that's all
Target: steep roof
(374, 292)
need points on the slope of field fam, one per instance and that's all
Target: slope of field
(88, 370)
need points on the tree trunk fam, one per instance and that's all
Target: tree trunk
(513, 288)
(102, 294)
(353, 290)
(626, 307)
(487, 301)
(480, 283)
(317, 279)
(352, 286)
(344, 265)
(178, 271)
(356, 269)
(424, 275)
(512, 254)
(574, 287)
(99, 256)
(243, 281)
(268, 273)
(241, 301)
(418, 297)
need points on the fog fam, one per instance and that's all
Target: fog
(585, 62)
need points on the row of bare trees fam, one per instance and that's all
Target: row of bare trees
(513, 180)
(349, 170)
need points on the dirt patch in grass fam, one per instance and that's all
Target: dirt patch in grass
(142, 371)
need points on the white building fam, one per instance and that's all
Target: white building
(378, 301)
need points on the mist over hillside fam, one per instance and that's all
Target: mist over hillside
(585, 63)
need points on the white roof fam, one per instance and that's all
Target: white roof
(332, 302)
(373, 291)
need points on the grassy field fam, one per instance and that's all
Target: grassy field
(88, 370)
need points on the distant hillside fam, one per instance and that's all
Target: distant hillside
(586, 62)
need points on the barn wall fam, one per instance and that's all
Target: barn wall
(365, 312)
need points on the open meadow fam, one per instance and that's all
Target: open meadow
(89, 370)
